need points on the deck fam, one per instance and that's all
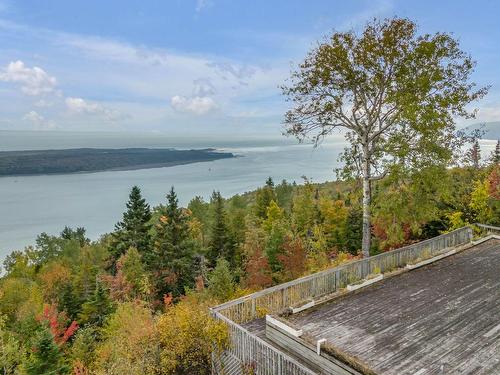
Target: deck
(443, 318)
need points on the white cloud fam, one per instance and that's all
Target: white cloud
(81, 106)
(34, 117)
(143, 77)
(202, 4)
(489, 113)
(34, 81)
(198, 105)
(38, 121)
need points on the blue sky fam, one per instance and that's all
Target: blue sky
(193, 66)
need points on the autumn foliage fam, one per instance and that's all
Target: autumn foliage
(56, 322)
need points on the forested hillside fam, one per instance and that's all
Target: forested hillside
(136, 301)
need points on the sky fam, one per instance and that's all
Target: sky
(194, 66)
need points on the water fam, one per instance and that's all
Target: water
(34, 204)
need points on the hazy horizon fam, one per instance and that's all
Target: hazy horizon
(193, 67)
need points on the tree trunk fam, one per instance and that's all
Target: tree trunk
(366, 242)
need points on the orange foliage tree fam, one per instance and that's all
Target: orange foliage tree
(293, 258)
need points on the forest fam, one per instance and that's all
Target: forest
(36, 162)
(136, 300)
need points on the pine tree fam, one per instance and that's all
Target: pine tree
(275, 225)
(263, 198)
(46, 357)
(97, 308)
(220, 244)
(221, 282)
(354, 230)
(173, 260)
(133, 230)
(474, 155)
(69, 302)
(77, 234)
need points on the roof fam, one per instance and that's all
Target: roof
(440, 318)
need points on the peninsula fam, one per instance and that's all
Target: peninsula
(38, 162)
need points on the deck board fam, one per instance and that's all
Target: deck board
(441, 318)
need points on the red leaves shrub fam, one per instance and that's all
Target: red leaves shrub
(56, 322)
(258, 271)
(494, 182)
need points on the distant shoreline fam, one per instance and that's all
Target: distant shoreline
(90, 160)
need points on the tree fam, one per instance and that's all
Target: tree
(97, 308)
(11, 351)
(57, 324)
(263, 198)
(479, 201)
(305, 209)
(396, 94)
(220, 244)
(258, 273)
(276, 226)
(495, 155)
(221, 282)
(45, 357)
(127, 283)
(129, 342)
(77, 234)
(354, 230)
(173, 250)
(134, 229)
(284, 192)
(189, 336)
(200, 214)
(293, 258)
(474, 155)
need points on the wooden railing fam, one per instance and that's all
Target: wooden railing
(489, 229)
(249, 354)
(317, 285)
(250, 350)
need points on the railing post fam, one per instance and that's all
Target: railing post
(470, 234)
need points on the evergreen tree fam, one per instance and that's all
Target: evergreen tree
(284, 192)
(220, 244)
(474, 155)
(97, 308)
(270, 182)
(69, 302)
(263, 198)
(221, 282)
(133, 230)
(354, 230)
(77, 234)
(46, 357)
(275, 227)
(173, 261)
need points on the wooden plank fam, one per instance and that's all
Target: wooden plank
(443, 317)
